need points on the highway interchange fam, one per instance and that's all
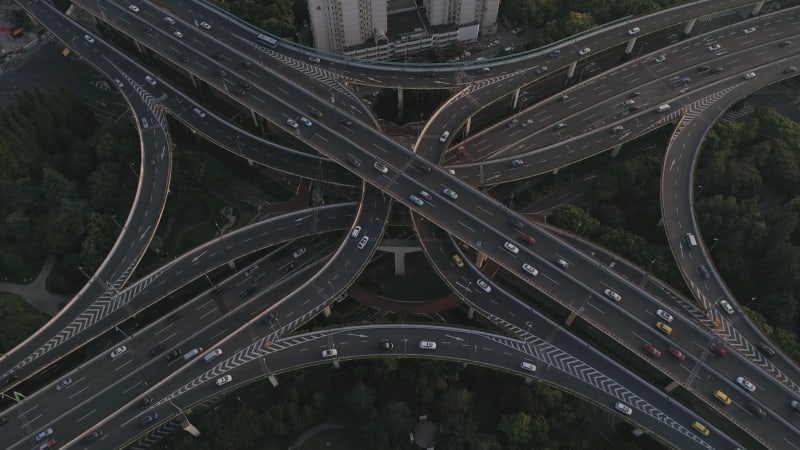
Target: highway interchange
(485, 226)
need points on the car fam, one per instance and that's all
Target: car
(714, 47)
(652, 350)
(205, 25)
(525, 365)
(703, 68)
(416, 200)
(457, 259)
(199, 112)
(429, 74)
(43, 434)
(133, 8)
(427, 345)
(717, 349)
(147, 420)
(623, 408)
(169, 20)
(346, 122)
(613, 295)
(150, 80)
(484, 285)
(444, 136)
(353, 161)
(723, 397)
(292, 123)
(563, 98)
(765, 349)
(795, 405)
(147, 29)
(755, 409)
(785, 43)
(63, 383)
(94, 436)
(617, 129)
(385, 346)
(677, 353)
(355, 232)
(749, 30)
(716, 70)
(745, 383)
(329, 353)
(313, 59)
(517, 162)
(790, 69)
(174, 354)
(555, 53)
(299, 252)
(145, 401)
(560, 125)
(511, 248)
(726, 306)
(174, 317)
(634, 94)
(363, 242)
(684, 80)
(88, 38)
(425, 195)
(422, 167)
(541, 69)
(530, 269)
(118, 351)
(380, 167)
(749, 75)
(663, 315)
(184, 58)
(247, 86)
(561, 263)
(527, 239)
(584, 51)
(450, 193)
(629, 102)
(3, 420)
(47, 444)
(317, 113)
(246, 63)
(219, 56)
(222, 73)
(701, 269)
(305, 121)
(666, 329)
(118, 82)
(177, 34)
(633, 31)
(700, 428)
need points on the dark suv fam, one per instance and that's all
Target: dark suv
(174, 354)
(148, 420)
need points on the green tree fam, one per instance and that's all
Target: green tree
(576, 22)
(361, 399)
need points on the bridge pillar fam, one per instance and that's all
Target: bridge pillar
(471, 313)
(555, 171)
(571, 69)
(571, 318)
(326, 311)
(515, 98)
(194, 80)
(255, 118)
(689, 26)
(629, 47)
(139, 47)
(466, 127)
(399, 102)
(188, 427)
(615, 151)
(757, 8)
(671, 387)
(480, 259)
(399, 263)
(232, 265)
(273, 380)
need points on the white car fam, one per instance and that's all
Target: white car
(484, 285)
(150, 80)
(749, 30)
(205, 25)
(330, 353)
(380, 167)
(427, 345)
(511, 248)
(305, 121)
(444, 136)
(118, 351)
(630, 102)
(63, 383)
(313, 59)
(356, 230)
(726, 306)
(43, 434)
(224, 380)
(561, 263)
(450, 193)
(665, 316)
(88, 39)
(416, 200)
(612, 295)
(199, 112)
(584, 51)
(292, 123)
(118, 82)
(427, 196)
(524, 365)
(623, 408)
(659, 59)
(633, 31)
(363, 242)
(530, 269)
(714, 47)
(133, 8)
(177, 34)
(747, 384)
(299, 252)
(749, 75)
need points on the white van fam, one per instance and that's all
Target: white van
(691, 241)
(212, 354)
(192, 353)
(664, 107)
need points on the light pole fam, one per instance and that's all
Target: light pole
(699, 191)
(238, 144)
(123, 333)
(716, 241)
(135, 173)
(114, 218)
(752, 299)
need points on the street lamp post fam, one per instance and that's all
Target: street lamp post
(114, 218)
(123, 333)
(752, 299)
(699, 190)
(716, 241)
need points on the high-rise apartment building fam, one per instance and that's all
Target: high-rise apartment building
(341, 24)
(463, 12)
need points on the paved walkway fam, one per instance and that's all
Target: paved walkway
(36, 292)
(308, 434)
(365, 297)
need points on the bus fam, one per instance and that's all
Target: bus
(267, 39)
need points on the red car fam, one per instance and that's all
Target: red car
(528, 239)
(649, 348)
(718, 349)
(677, 353)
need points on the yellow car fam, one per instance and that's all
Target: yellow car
(459, 262)
(723, 397)
(700, 428)
(666, 329)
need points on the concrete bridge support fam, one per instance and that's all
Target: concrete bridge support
(326, 311)
(471, 313)
(629, 47)
(571, 69)
(571, 318)
(399, 248)
(757, 8)
(254, 115)
(400, 102)
(615, 151)
(467, 125)
(195, 83)
(689, 25)
(515, 98)
(188, 427)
